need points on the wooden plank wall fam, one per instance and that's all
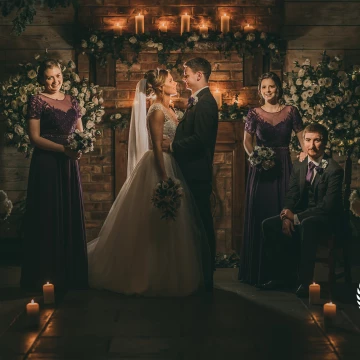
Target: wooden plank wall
(312, 26)
(52, 31)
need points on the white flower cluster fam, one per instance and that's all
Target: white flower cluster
(355, 203)
(5, 205)
(17, 89)
(329, 96)
(82, 141)
(262, 157)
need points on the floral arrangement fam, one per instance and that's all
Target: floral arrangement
(193, 100)
(167, 197)
(102, 44)
(262, 157)
(233, 111)
(81, 141)
(323, 165)
(355, 202)
(6, 206)
(16, 90)
(120, 121)
(227, 260)
(328, 95)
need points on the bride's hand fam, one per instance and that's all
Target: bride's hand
(165, 145)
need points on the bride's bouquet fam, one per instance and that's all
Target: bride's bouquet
(82, 141)
(167, 197)
(262, 157)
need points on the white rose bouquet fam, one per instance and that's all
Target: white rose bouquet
(262, 157)
(5, 206)
(82, 141)
(355, 202)
(167, 198)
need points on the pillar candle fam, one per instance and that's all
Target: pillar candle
(204, 30)
(248, 28)
(33, 312)
(185, 24)
(225, 24)
(118, 30)
(163, 28)
(139, 24)
(314, 293)
(218, 98)
(48, 292)
(329, 313)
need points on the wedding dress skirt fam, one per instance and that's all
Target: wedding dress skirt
(137, 252)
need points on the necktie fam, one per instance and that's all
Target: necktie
(190, 101)
(310, 172)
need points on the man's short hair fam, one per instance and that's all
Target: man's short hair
(199, 64)
(318, 128)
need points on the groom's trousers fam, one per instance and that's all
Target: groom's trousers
(286, 257)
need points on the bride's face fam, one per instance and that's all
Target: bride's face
(169, 87)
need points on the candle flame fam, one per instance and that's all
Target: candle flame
(314, 283)
(48, 283)
(32, 301)
(224, 14)
(248, 25)
(139, 14)
(163, 24)
(117, 24)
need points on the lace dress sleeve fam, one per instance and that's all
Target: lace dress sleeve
(35, 107)
(250, 122)
(155, 107)
(76, 107)
(297, 120)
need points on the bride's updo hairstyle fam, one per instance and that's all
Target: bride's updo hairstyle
(46, 64)
(154, 80)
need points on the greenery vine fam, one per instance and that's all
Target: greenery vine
(26, 10)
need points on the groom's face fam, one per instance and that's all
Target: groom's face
(190, 78)
(314, 144)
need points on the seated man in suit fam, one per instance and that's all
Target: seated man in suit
(313, 207)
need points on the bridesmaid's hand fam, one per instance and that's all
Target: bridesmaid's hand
(73, 155)
(302, 156)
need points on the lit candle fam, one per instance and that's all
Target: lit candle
(314, 293)
(118, 29)
(225, 24)
(185, 24)
(329, 313)
(218, 98)
(33, 312)
(139, 24)
(248, 28)
(48, 292)
(163, 28)
(204, 30)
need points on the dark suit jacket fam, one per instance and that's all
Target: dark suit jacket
(195, 138)
(327, 191)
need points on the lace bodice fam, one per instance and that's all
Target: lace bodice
(170, 122)
(273, 129)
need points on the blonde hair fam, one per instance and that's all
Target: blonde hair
(155, 79)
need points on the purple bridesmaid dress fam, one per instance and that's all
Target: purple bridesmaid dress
(265, 190)
(54, 247)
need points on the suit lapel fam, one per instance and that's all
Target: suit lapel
(199, 95)
(303, 170)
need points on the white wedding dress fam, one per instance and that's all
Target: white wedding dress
(137, 252)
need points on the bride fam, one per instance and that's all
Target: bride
(137, 252)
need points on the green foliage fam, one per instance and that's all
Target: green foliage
(26, 10)
(233, 112)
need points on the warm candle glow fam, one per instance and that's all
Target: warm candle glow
(218, 98)
(163, 27)
(185, 23)
(33, 313)
(139, 24)
(118, 29)
(329, 313)
(225, 24)
(314, 293)
(48, 293)
(204, 29)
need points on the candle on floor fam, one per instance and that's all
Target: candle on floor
(33, 312)
(225, 24)
(139, 24)
(218, 98)
(163, 27)
(329, 313)
(118, 30)
(185, 24)
(314, 293)
(204, 30)
(48, 292)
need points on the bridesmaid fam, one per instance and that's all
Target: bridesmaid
(55, 245)
(271, 124)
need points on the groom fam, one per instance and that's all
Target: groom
(194, 144)
(313, 207)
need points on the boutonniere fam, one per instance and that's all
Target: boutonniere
(192, 101)
(323, 165)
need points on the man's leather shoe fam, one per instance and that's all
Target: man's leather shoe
(302, 291)
(272, 285)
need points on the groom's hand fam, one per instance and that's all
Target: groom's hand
(287, 214)
(287, 227)
(165, 145)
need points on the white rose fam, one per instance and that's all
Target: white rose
(333, 65)
(117, 116)
(30, 87)
(150, 43)
(84, 44)
(304, 95)
(347, 117)
(310, 93)
(292, 89)
(93, 39)
(307, 83)
(14, 104)
(341, 74)
(101, 100)
(31, 74)
(319, 110)
(295, 97)
(263, 36)
(193, 38)
(310, 111)
(67, 85)
(307, 62)
(332, 104)
(301, 73)
(100, 44)
(74, 91)
(19, 129)
(133, 40)
(24, 110)
(23, 98)
(321, 81)
(251, 37)
(81, 95)
(36, 56)
(75, 77)
(81, 102)
(9, 136)
(100, 112)
(90, 125)
(83, 111)
(298, 82)
(345, 83)
(328, 82)
(26, 139)
(271, 45)
(98, 119)
(338, 99)
(22, 90)
(304, 105)
(160, 46)
(95, 100)
(287, 98)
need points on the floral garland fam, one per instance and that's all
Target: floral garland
(102, 44)
(6, 206)
(327, 95)
(16, 91)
